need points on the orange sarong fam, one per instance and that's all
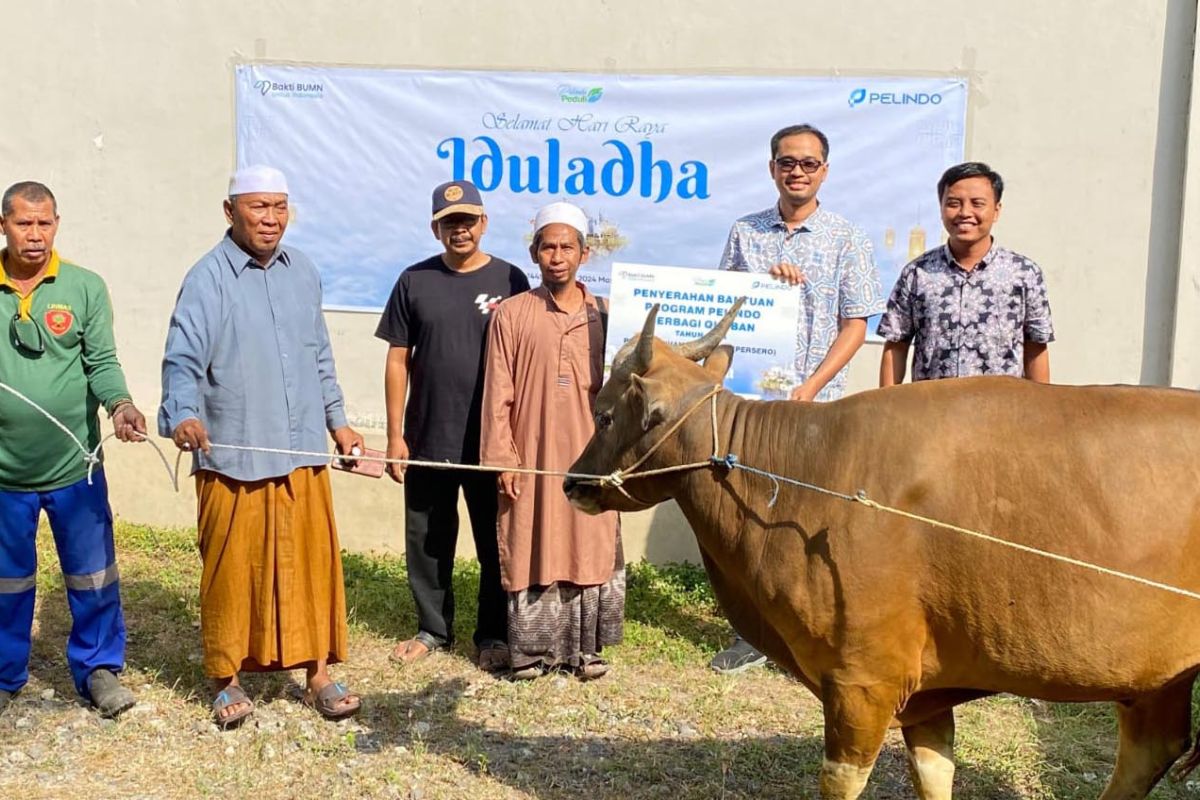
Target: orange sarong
(271, 592)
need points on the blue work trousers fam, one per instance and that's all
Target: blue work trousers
(83, 535)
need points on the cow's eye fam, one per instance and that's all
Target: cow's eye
(603, 420)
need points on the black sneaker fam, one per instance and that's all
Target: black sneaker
(108, 696)
(738, 657)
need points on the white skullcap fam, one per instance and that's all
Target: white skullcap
(257, 178)
(566, 213)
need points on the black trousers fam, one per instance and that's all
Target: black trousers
(431, 535)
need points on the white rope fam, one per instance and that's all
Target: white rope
(87, 455)
(861, 497)
(729, 461)
(1024, 548)
(409, 462)
(173, 474)
(92, 457)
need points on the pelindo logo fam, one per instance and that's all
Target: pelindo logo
(580, 94)
(861, 96)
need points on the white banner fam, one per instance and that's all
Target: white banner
(692, 301)
(662, 164)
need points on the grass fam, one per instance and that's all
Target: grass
(661, 725)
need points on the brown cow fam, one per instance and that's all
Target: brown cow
(892, 621)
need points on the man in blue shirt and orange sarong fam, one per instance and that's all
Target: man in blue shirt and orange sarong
(248, 362)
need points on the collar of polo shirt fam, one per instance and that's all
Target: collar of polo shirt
(26, 301)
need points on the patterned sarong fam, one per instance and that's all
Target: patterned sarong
(564, 624)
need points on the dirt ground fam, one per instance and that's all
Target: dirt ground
(660, 725)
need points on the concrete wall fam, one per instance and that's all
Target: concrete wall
(125, 109)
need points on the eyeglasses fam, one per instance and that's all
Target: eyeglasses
(26, 334)
(808, 165)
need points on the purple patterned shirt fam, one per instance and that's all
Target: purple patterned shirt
(968, 323)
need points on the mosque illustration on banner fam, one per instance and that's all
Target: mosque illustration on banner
(603, 236)
(776, 383)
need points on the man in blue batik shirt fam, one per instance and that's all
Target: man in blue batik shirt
(830, 261)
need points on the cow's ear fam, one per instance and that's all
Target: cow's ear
(718, 362)
(651, 397)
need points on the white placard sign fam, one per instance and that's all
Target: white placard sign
(691, 301)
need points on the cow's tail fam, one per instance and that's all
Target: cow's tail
(1192, 760)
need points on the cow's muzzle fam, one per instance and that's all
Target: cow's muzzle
(584, 495)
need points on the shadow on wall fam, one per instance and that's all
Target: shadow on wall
(669, 537)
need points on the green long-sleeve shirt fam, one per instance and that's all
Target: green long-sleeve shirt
(76, 373)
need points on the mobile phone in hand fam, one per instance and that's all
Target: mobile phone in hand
(372, 469)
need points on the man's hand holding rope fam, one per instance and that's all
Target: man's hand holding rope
(191, 435)
(128, 422)
(349, 443)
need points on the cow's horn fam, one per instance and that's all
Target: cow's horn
(631, 358)
(702, 347)
(645, 343)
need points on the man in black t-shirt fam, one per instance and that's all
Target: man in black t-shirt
(436, 323)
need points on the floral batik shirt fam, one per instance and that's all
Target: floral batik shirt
(964, 323)
(840, 278)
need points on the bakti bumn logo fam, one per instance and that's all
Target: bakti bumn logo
(311, 90)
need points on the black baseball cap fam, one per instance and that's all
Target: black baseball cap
(456, 197)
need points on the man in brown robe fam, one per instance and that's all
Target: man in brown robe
(563, 570)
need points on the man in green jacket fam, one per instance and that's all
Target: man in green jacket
(58, 351)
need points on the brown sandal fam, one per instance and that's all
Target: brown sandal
(228, 697)
(330, 701)
(414, 649)
(494, 657)
(591, 669)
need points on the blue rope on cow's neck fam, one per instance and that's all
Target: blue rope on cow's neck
(730, 462)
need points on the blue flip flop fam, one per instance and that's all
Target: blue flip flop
(231, 696)
(328, 703)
